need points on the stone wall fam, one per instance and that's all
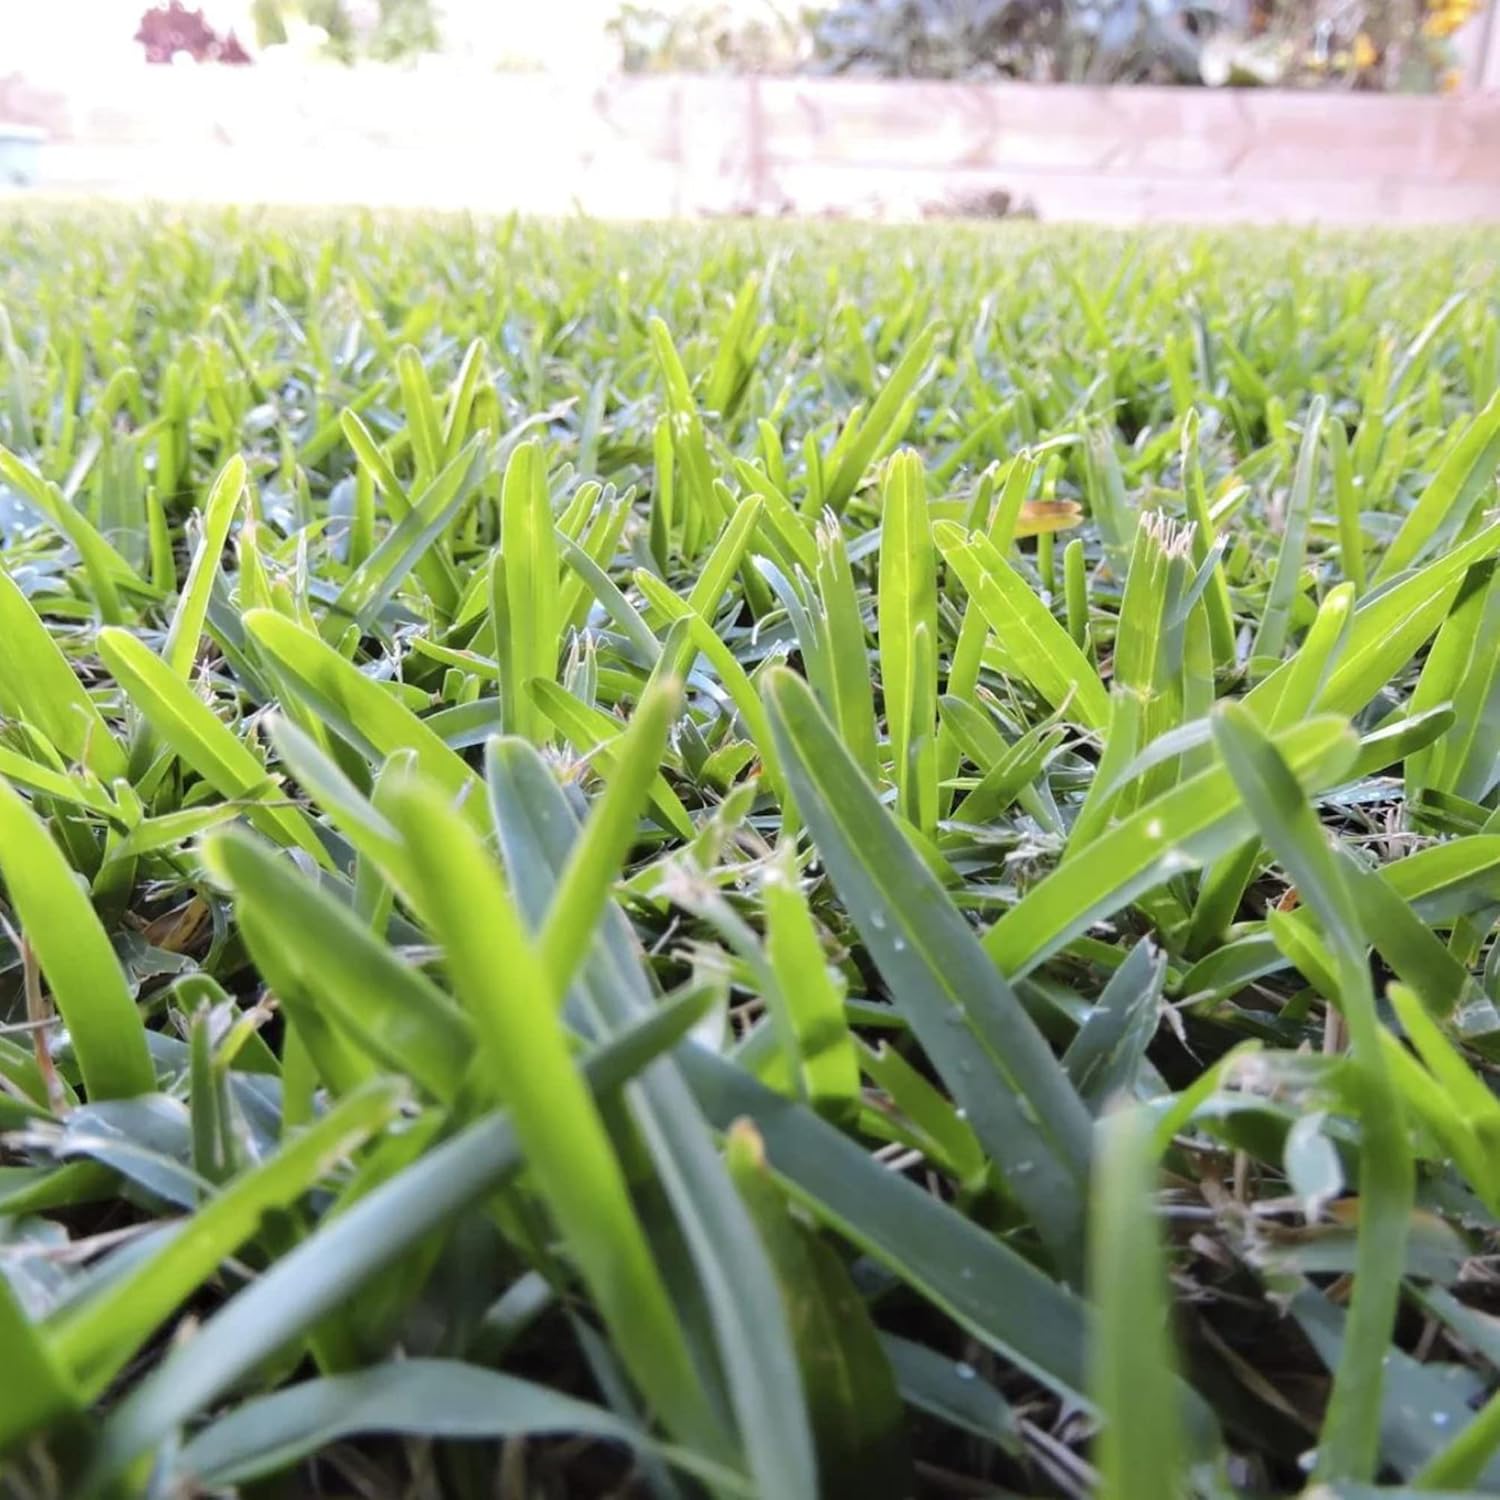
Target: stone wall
(647, 147)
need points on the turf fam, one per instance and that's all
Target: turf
(747, 861)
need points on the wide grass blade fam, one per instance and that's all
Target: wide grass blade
(438, 1399)
(908, 634)
(356, 706)
(994, 1294)
(380, 1002)
(1464, 475)
(969, 1021)
(851, 1392)
(86, 982)
(1041, 649)
(37, 685)
(524, 1056)
(38, 1391)
(328, 1268)
(1141, 1452)
(1349, 1443)
(1195, 822)
(540, 839)
(98, 1338)
(525, 608)
(185, 722)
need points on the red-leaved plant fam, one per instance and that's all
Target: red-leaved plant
(166, 30)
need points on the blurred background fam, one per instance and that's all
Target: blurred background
(1339, 111)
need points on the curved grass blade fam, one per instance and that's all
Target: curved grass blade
(440, 1399)
(1040, 648)
(593, 732)
(374, 582)
(38, 1391)
(1387, 631)
(381, 1002)
(97, 1338)
(327, 1268)
(192, 604)
(993, 1293)
(1350, 1440)
(969, 1022)
(187, 724)
(540, 838)
(882, 426)
(1465, 472)
(87, 984)
(358, 708)
(851, 1393)
(38, 685)
(1195, 822)
(583, 887)
(512, 1003)
(105, 567)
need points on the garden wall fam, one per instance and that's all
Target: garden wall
(447, 137)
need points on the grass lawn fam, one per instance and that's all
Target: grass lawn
(747, 862)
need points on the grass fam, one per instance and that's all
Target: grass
(747, 862)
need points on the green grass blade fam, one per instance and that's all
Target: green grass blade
(97, 1339)
(540, 838)
(84, 976)
(1286, 575)
(38, 1391)
(883, 425)
(936, 971)
(419, 1398)
(989, 1290)
(38, 685)
(383, 1004)
(1041, 648)
(1388, 630)
(511, 1001)
(1193, 823)
(186, 723)
(526, 611)
(908, 616)
(843, 634)
(851, 1393)
(183, 633)
(583, 888)
(356, 706)
(1141, 1452)
(328, 1268)
(813, 990)
(1464, 476)
(1349, 1443)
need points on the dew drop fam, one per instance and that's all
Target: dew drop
(877, 920)
(965, 1371)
